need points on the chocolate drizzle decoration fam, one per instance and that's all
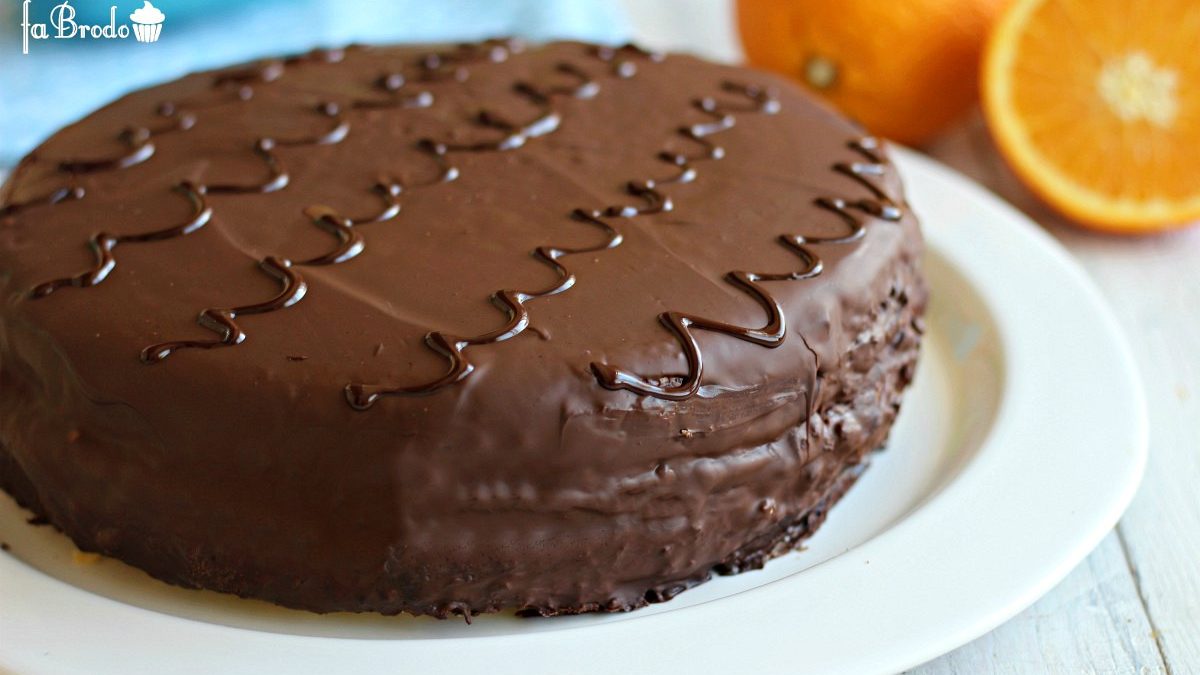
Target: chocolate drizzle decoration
(350, 242)
(223, 321)
(103, 243)
(53, 197)
(141, 148)
(677, 387)
(622, 58)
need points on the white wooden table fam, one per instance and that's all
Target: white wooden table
(1133, 606)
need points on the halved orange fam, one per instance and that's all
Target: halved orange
(1096, 105)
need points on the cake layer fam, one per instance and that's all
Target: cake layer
(453, 330)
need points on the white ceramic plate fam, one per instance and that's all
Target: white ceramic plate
(1020, 444)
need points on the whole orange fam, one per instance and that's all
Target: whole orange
(905, 70)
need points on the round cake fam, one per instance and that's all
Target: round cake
(453, 330)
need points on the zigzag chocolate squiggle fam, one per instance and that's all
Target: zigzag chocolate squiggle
(103, 243)
(772, 334)
(350, 241)
(223, 321)
(55, 196)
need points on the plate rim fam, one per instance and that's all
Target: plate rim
(750, 617)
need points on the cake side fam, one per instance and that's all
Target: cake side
(790, 499)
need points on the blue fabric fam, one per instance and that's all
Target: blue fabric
(59, 81)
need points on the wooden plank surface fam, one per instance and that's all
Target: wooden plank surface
(1092, 622)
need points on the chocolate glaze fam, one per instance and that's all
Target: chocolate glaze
(513, 463)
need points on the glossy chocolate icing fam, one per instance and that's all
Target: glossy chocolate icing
(371, 434)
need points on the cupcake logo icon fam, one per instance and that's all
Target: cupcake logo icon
(147, 22)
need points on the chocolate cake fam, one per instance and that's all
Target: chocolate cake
(453, 330)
